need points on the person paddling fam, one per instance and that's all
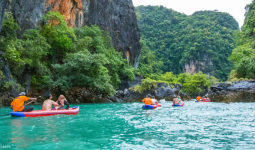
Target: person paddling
(199, 98)
(18, 103)
(48, 103)
(147, 100)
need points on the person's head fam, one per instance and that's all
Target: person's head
(49, 96)
(22, 94)
(153, 97)
(148, 96)
(61, 97)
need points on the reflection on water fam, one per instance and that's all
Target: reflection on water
(127, 126)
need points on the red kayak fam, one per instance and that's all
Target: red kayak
(158, 105)
(40, 113)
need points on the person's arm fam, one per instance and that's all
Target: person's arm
(32, 99)
(67, 104)
(11, 105)
(54, 103)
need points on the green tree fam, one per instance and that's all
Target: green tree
(148, 63)
(243, 56)
(84, 69)
(177, 39)
(58, 34)
(96, 42)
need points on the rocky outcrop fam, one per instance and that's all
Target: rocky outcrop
(241, 91)
(163, 91)
(115, 16)
(82, 95)
(3, 4)
(10, 90)
(125, 84)
(204, 65)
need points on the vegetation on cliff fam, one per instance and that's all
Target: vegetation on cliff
(192, 83)
(243, 56)
(177, 39)
(60, 57)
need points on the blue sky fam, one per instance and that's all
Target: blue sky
(233, 7)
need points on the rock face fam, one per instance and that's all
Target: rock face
(205, 65)
(11, 91)
(119, 19)
(163, 91)
(3, 4)
(127, 84)
(115, 16)
(241, 91)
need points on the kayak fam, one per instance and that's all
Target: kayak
(203, 101)
(40, 113)
(178, 105)
(149, 106)
(158, 105)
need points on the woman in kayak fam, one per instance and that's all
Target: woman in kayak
(207, 98)
(154, 101)
(61, 102)
(179, 100)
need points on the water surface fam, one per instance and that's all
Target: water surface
(127, 126)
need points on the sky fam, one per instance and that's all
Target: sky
(233, 7)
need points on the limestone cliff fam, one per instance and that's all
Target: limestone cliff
(9, 92)
(115, 16)
(3, 4)
(204, 64)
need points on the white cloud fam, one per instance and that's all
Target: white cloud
(233, 7)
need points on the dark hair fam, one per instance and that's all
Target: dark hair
(48, 96)
(153, 97)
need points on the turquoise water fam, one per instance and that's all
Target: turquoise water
(127, 126)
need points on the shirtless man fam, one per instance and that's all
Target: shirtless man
(48, 103)
(175, 101)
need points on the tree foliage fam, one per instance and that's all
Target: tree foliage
(192, 83)
(148, 63)
(243, 56)
(177, 39)
(57, 33)
(60, 57)
(93, 63)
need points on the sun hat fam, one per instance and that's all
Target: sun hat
(22, 93)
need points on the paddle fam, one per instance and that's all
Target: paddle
(24, 105)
